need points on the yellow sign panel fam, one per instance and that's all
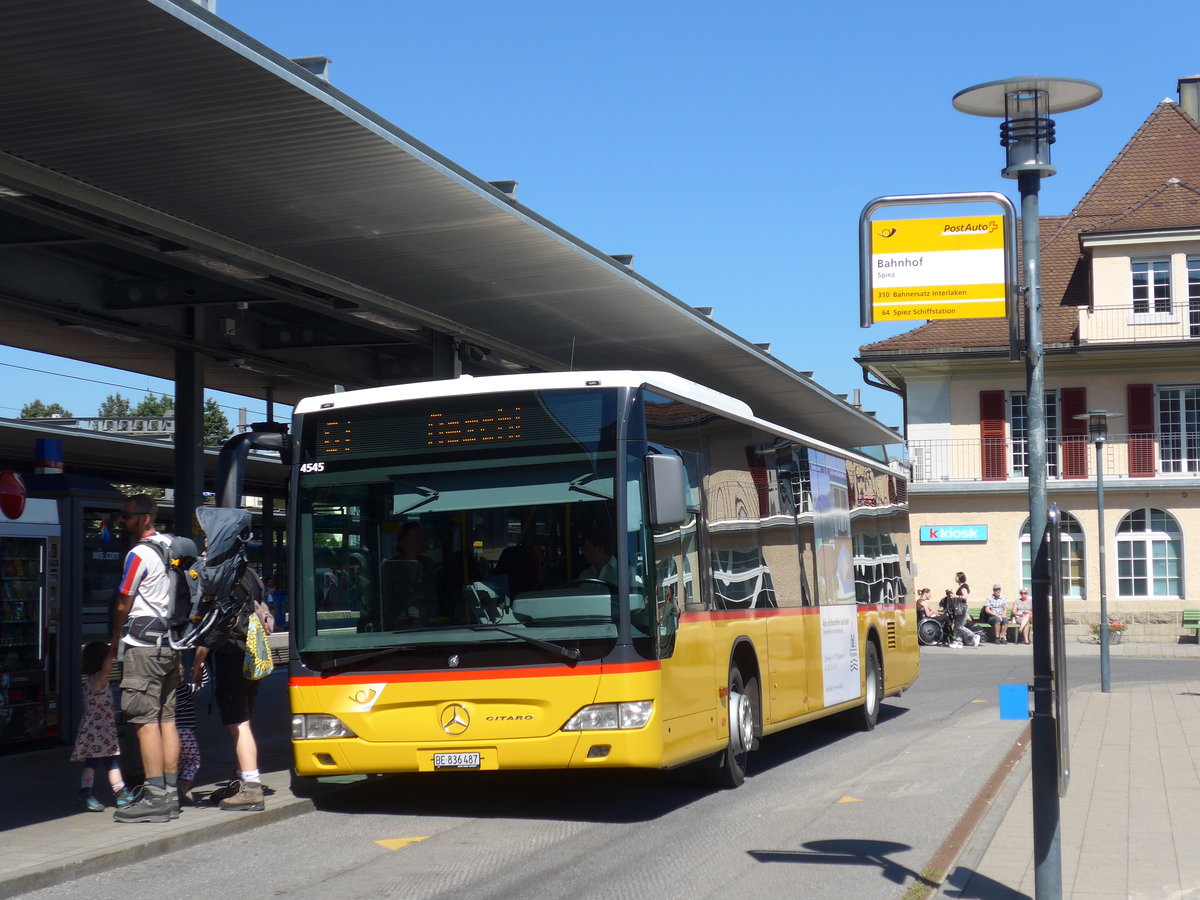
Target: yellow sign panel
(938, 268)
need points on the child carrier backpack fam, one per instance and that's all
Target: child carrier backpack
(201, 588)
(180, 559)
(227, 530)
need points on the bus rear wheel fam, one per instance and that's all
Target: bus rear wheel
(867, 715)
(729, 770)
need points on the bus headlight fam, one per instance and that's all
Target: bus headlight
(609, 716)
(315, 727)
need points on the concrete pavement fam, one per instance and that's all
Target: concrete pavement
(1130, 822)
(47, 840)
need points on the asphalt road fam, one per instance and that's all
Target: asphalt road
(826, 813)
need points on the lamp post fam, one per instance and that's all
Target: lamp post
(1025, 104)
(1097, 420)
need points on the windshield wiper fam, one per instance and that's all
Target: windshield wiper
(349, 662)
(428, 495)
(571, 653)
(580, 484)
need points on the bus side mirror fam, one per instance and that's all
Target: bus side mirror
(666, 489)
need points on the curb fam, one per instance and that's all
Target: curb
(933, 876)
(36, 878)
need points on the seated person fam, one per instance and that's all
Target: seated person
(1023, 612)
(599, 552)
(995, 613)
(925, 602)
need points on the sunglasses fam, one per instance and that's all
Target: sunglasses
(129, 515)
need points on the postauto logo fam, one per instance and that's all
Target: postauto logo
(932, 534)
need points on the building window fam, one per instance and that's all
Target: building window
(1149, 549)
(1193, 270)
(1018, 417)
(1179, 429)
(1070, 534)
(1151, 286)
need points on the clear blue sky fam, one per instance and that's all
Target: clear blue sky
(730, 147)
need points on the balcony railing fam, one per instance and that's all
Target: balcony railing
(1148, 321)
(1123, 456)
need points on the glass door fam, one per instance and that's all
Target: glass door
(22, 638)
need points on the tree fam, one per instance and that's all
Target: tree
(216, 426)
(114, 407)
(39, 410)
(155, 406)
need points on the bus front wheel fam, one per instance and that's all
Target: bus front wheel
(730, 768)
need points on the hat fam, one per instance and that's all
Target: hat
(995, 587)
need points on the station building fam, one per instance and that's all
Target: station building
(1121, 300)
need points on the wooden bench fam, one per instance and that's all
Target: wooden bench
(1191, 619)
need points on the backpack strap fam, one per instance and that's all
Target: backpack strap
(163, 550)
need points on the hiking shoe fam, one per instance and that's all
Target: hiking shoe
(173, 799)
(88, 802)
(123, 798)
(248, 799)
(152, 806)
(978, 639)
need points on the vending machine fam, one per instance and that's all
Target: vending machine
(30, 574)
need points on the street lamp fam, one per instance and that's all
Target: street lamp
(1025, 104)
(1097, 420)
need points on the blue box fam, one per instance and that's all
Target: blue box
(1014, 701)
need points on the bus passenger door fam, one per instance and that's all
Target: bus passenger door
(688, 697)
(787, 642)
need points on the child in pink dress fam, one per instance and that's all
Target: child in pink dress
(96, 745)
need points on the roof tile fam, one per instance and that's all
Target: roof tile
(1148, 185)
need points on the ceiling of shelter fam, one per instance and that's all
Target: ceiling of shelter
(166, 182)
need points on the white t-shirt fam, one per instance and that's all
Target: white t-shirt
(145, 579)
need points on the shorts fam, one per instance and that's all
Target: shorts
(148, 681)
(235, 693)
(994, 619)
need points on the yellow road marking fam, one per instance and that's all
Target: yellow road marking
(850, 800)
(400, 843)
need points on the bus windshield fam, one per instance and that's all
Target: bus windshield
(447, 539)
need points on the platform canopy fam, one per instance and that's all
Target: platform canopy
(167, 182)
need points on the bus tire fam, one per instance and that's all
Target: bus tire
(729, 770)
(304, 786)
(867, 715)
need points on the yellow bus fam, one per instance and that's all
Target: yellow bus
(582, 570)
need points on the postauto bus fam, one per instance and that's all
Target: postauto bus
(582, 570)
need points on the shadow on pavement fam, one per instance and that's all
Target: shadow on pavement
(850, 852)
(967, 884)
(615, 796)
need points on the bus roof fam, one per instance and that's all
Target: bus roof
(542, 381)
(665, 382)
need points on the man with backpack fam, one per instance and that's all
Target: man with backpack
(150, 670)
(227, 531)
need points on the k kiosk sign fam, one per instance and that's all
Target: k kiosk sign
(941, 534)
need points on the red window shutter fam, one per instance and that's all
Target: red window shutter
(1073, 402)
(1141, 430)
(993, 450)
